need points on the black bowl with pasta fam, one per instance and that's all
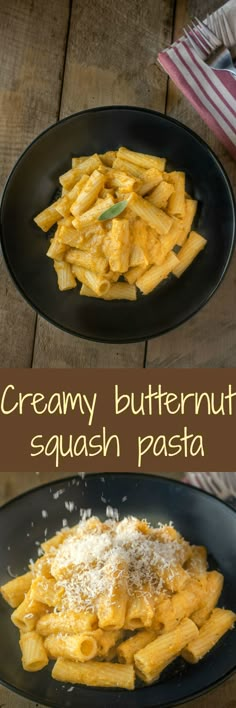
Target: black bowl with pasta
(33, 186)
(203, 520)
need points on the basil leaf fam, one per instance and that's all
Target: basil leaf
(113, 211)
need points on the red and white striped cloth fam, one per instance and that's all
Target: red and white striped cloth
(211, 92)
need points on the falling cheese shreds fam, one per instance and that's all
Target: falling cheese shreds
(12, 575)
(57, 494)
(112, 513)
(85, 514)
(69, 505)
(94, 553)
(44, 513)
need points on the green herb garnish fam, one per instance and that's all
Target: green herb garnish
(113, 211)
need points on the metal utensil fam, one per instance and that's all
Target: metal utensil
(209, 47)
(224, 30)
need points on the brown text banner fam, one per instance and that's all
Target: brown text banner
(154, 420)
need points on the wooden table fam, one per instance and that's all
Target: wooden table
(59, 57)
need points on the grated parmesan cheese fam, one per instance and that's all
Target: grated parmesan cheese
(57, 494)
(44, 513)
(93, 554)
(69, 505)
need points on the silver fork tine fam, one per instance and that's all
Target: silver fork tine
(217, 26)
(208, 34)
(195, 46)
(228, 31)
(210, 22)
(200, 39)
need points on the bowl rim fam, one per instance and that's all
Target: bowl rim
(201, 303)
(168, 481)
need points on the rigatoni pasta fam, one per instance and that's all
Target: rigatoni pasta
(155, 216)
(115, 600)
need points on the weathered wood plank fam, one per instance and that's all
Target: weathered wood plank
(209, 339)
(32, 43)
(110, 60)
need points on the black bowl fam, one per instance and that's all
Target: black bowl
(201, 518)
(33, 183)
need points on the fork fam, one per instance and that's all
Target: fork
(209, 47)
(219, 24)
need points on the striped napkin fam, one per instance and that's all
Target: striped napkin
(221, 484)
(211, 92)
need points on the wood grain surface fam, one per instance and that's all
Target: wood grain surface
(32, 49)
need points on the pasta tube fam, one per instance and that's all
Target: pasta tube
(56, 249)
(77, 160)
(96, 281)
(214, 586)
(64, 204)
(80, 647)
(87, 260)
(197, 563)
(69, 179)
(116, 178)
(91, 216)
(27, 613)
(152, 277)
(14, 591)
(133, 274)
(142, 160)
(161, 194)
(95, 673)
(48, 217)
(88, 195)
(117, 291)
(182, 604)
(108, 157)
(34, 656)
(176, 203)
(153, 216)
(118, 248)
(140, 610)
(152, 178)
(127, 649)
(68, 622)
(82, 240)
(65, 277)
(186, 222)
(151, 660)
(219, 622)
(44, 590)
(191, 248)
(107, 640)
(111, 610)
